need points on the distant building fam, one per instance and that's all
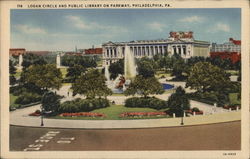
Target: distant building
(73, 53)
(229, 50)
(93, 51)
(17, 51)
(39, 53)
(230, 46)
(233, 56)
(182, 43)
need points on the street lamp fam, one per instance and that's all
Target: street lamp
(182, 123)
(42, 115)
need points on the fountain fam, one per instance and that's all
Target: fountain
(107, 74)
(129, 64)
(119, 84)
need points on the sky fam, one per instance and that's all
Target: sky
(64, 29)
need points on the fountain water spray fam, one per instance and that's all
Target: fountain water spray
(129, 64)
(107, 75)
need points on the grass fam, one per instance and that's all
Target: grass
(99, 63)
(64, 72)
(12, 100)
(233, 97)
(159, 75)
(66, 84)
(169, 91)
(113, 112)
(117, 94)
(18, 73)
(233, 72)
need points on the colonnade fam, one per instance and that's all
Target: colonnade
(138, 51)
(180, 49)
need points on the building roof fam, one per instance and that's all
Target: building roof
(236, 42)
(40, 53)
(93, 51)
(15, 49)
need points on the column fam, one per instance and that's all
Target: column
(158, 49)
(143, 51)
(182, 55)
(137, 50)
(162, 50)
(147, 51)
(107, 50)
(153, 50)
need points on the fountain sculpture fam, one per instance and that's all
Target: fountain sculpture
(120, 83)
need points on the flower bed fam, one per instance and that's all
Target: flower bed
(82, 114)
(233, 107)
(190, 111)
(36, 113)
(141, 114)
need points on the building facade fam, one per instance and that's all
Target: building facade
(181, 43)
(17, 51)
(231, 46)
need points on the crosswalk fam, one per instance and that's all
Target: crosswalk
(46, 138)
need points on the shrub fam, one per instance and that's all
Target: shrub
(27, 98)
(83, 105)
(50, 102)
(148, 102)
(195, 109)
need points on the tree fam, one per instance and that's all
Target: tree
(207, 77)
(178, 102)
(43, 76)
(166, 62)
(12, 71)
(146, 67)
(50, 102)
(144, 86)
(32, 59)
(116, 68)
(71, 60)
(74, 72)
(91, 84)
(179, 67)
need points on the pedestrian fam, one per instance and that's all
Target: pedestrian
(68, 93)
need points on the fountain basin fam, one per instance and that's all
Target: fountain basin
(167, 86)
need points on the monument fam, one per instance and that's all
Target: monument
(58, 61)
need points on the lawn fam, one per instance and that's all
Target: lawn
(233, 97)
(160, 74)
(18, 73)
(12, 100)
(113, 113)
(64, 72)
(233, 72)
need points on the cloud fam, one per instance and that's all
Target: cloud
(77, 22)
(157, 26)
(30, 30)
(192, 19)
(222, 27)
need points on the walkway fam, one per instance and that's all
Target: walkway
(119, 99)
(211, 115)
(20, 117)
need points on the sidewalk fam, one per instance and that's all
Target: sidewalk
(20, 117)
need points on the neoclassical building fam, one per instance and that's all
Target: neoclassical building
(181, 43)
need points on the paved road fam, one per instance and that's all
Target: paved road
(223, 136)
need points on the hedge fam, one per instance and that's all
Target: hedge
(148, 102)
(83, 105)
(28, 98)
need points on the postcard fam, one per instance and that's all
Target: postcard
(125, 79)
